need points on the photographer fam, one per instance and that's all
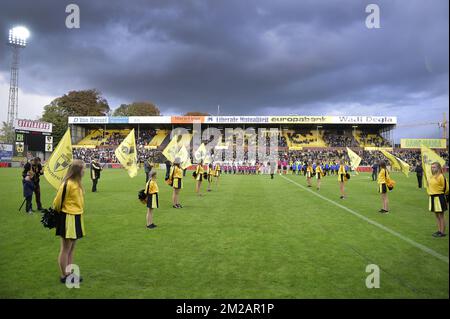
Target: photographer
(35, 167)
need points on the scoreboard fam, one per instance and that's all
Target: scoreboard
(32, 137)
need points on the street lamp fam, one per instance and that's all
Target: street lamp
(17, 40)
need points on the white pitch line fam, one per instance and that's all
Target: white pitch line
(392, 232)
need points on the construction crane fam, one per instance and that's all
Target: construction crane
(441, 125)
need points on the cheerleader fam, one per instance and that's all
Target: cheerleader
(199, 172)
(438, 190)
(309, 173)
(176, 181)
(342, 177)
(217, 173)
(319, 175)
(151, 190)
(210, 174)
(69, 203)
(383, 178)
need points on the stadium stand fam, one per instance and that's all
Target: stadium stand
(366, 139)
(296, 141)
(304, 138)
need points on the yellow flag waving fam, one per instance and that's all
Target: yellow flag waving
(397, 163)
(184, 157)
(126, 153)
(428, 158)
(57, 165)
(354, 159)
(202, 154)
(171, 150)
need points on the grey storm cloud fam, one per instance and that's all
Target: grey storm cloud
(251, 57)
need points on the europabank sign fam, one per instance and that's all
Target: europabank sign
(33, 126)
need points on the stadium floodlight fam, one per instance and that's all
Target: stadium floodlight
(17, 39)
(18, 36)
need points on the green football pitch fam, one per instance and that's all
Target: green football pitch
(251, 238)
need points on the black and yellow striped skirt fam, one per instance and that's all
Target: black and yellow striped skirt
(177, 183)
(70, 226)
(152, 201)
(438, 203)
(382, 188)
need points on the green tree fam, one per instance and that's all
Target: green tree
(74, 103)
(7, 133)
(137, 109)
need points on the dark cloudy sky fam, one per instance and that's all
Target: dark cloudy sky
(251, 57)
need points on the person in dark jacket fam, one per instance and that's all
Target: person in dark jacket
(419, 174)
(35, 167)
(95, 174)
(168, 165)
(28, 189)
(374, 172)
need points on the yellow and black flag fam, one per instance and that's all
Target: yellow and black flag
(172, 149)
(126, 153)
(184, 157)
(397, 163)
(57, 165)
(355, 160)
(201, 154)
(428, 158)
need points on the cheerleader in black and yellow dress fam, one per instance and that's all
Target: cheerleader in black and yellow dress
(69, 203)
(176, 181)
(199, 176)
(309, 173)
(319, 175)
(151, 190)
(438, 190)
(383, 178)
(217, 173)
(210, 174)
(342, 178)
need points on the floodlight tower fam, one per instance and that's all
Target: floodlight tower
(17, 40)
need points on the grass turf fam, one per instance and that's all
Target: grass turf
(252, 238)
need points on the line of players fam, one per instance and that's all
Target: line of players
(297, 168)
